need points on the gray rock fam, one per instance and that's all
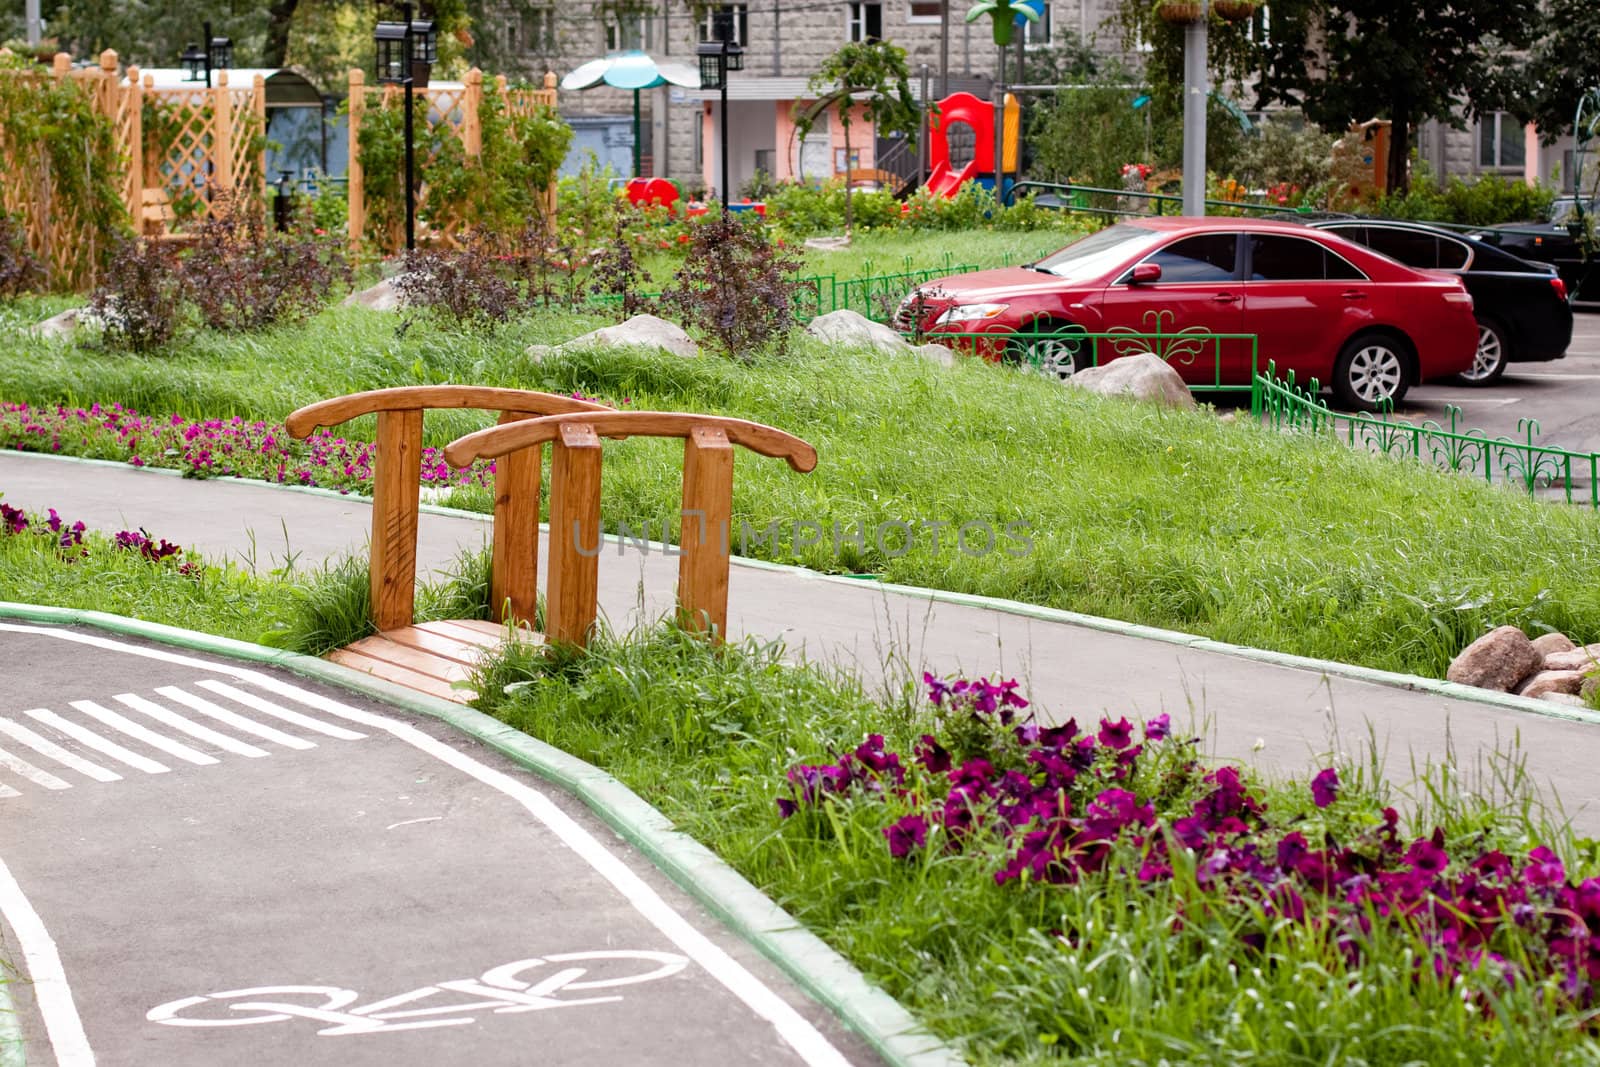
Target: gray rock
(940, 354)
(827, 244)
(1578, 659)
(1500, 659)
(1590, 686)
(1143, 376)
(846, 327)
(641, 331)
(381, 297)
(1565, 698)
(1549, 644)
(1551, 682)
(68, 322)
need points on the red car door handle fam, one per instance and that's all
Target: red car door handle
(1353, 294)
(1225, 298)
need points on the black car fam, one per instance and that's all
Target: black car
(1555, 241)
(1522, 309)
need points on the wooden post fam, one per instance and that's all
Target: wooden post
(570, 600)
(707, 512)
(221, 136)
(356, 216)
(60, 65)
(258, 109)
(133, 130)
(396, 489)
(152, 160)
(515, 575)
(550, 192)
(471, 124)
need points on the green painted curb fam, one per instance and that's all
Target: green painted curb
(1391, 679)
(12, 1053)
(824, 974)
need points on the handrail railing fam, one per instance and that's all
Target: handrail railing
(1158, 199)
(573, 587)
(396, 490)
(1287, 406)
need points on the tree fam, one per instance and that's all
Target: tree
(1341, 61)
(876, 72)
(1563, 67)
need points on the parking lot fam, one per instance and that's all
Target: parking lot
(1564, 396)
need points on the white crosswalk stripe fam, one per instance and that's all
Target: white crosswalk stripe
(250, 700)
(177, 722)
(46, 747)
(95, 741)
(30, 772)
(193, 729)
(143, 733)
(233, 719)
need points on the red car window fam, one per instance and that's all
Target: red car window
(1294, 259)
(1208, 257)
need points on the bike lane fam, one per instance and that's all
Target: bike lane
(203, 863)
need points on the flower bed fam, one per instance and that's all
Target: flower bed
(69, 544)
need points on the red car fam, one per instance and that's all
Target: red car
(1319, 305)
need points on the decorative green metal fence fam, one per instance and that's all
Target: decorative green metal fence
(1499, 460)
(1233, 357)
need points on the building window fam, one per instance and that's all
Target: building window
(1501, 143)
(866, 20)
(926, 11)
(538, 30)
(726, 22)
(625, 31)
(1037, 34)
(1261, 25)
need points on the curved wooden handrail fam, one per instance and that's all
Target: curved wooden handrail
(508, 437)
(304, 421)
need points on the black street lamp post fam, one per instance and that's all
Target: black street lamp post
(199, 61)
(717, 58)
(406, 51)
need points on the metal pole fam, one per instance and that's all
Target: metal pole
(411, 191)
(35, 29)
(944, 49)
(206, 48)
(722, 76)
(1194, 113)
(636, 146)
(927, 111)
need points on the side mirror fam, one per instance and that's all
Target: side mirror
(1144, 273)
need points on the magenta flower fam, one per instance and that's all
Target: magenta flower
(1325, 787)
(905, 834)
(1158, 728)
(1117, 734)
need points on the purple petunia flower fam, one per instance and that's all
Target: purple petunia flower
(1117, 734)
(1325, 787)
(905, 834)
(1158, 728)
(931, 755)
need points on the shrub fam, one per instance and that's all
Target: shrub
(617, 274)
(736, 286)
(471, 286)
(19, 270)
(803, 209)
(1281, 153)
(140, 299)
(1485, 202)
(243, 276)
(586, 206)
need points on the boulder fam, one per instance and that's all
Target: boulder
(1143, 376)
(1579, 659)
(380, 297)
(943, 355)
(641, 331)
(1500, 659)
(827, 244)
(68, 322)
(1565, 698)
(1551, 682)
(1549, 644)
(846, 327)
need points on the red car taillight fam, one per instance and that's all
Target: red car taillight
(1560, 287)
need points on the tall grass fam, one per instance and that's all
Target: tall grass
(1107, 971)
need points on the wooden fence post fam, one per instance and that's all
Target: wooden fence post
(258, 109)
(221, 137)
(471, 125)
(152, 160)
(707, 513)
(514, 575)
(131, 129)
(570, 593)
(550, 192)
(396, 491)
(356, 216)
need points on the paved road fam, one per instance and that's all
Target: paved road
(205, 864)
(1276, 717)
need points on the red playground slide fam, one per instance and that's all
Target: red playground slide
(944, 181)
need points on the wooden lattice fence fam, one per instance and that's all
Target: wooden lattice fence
(190, 143)
(453, 112)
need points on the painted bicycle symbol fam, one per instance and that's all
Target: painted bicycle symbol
(520, 986)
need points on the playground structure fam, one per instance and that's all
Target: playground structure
(449, 106)
(962, 144)
(436, 658)
(173, 149)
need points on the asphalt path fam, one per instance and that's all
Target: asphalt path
(203, 863)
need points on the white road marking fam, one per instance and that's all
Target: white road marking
(46, 747)
(95, 741)
(6, 792)
(250, 700)
(193, 729)
(233, 719)
(1486, 401)
(143, 733)
(46, 977)
(410, 822)
(31, 773)
(811, 1045)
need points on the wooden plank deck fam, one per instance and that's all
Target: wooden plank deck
(431, 657)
